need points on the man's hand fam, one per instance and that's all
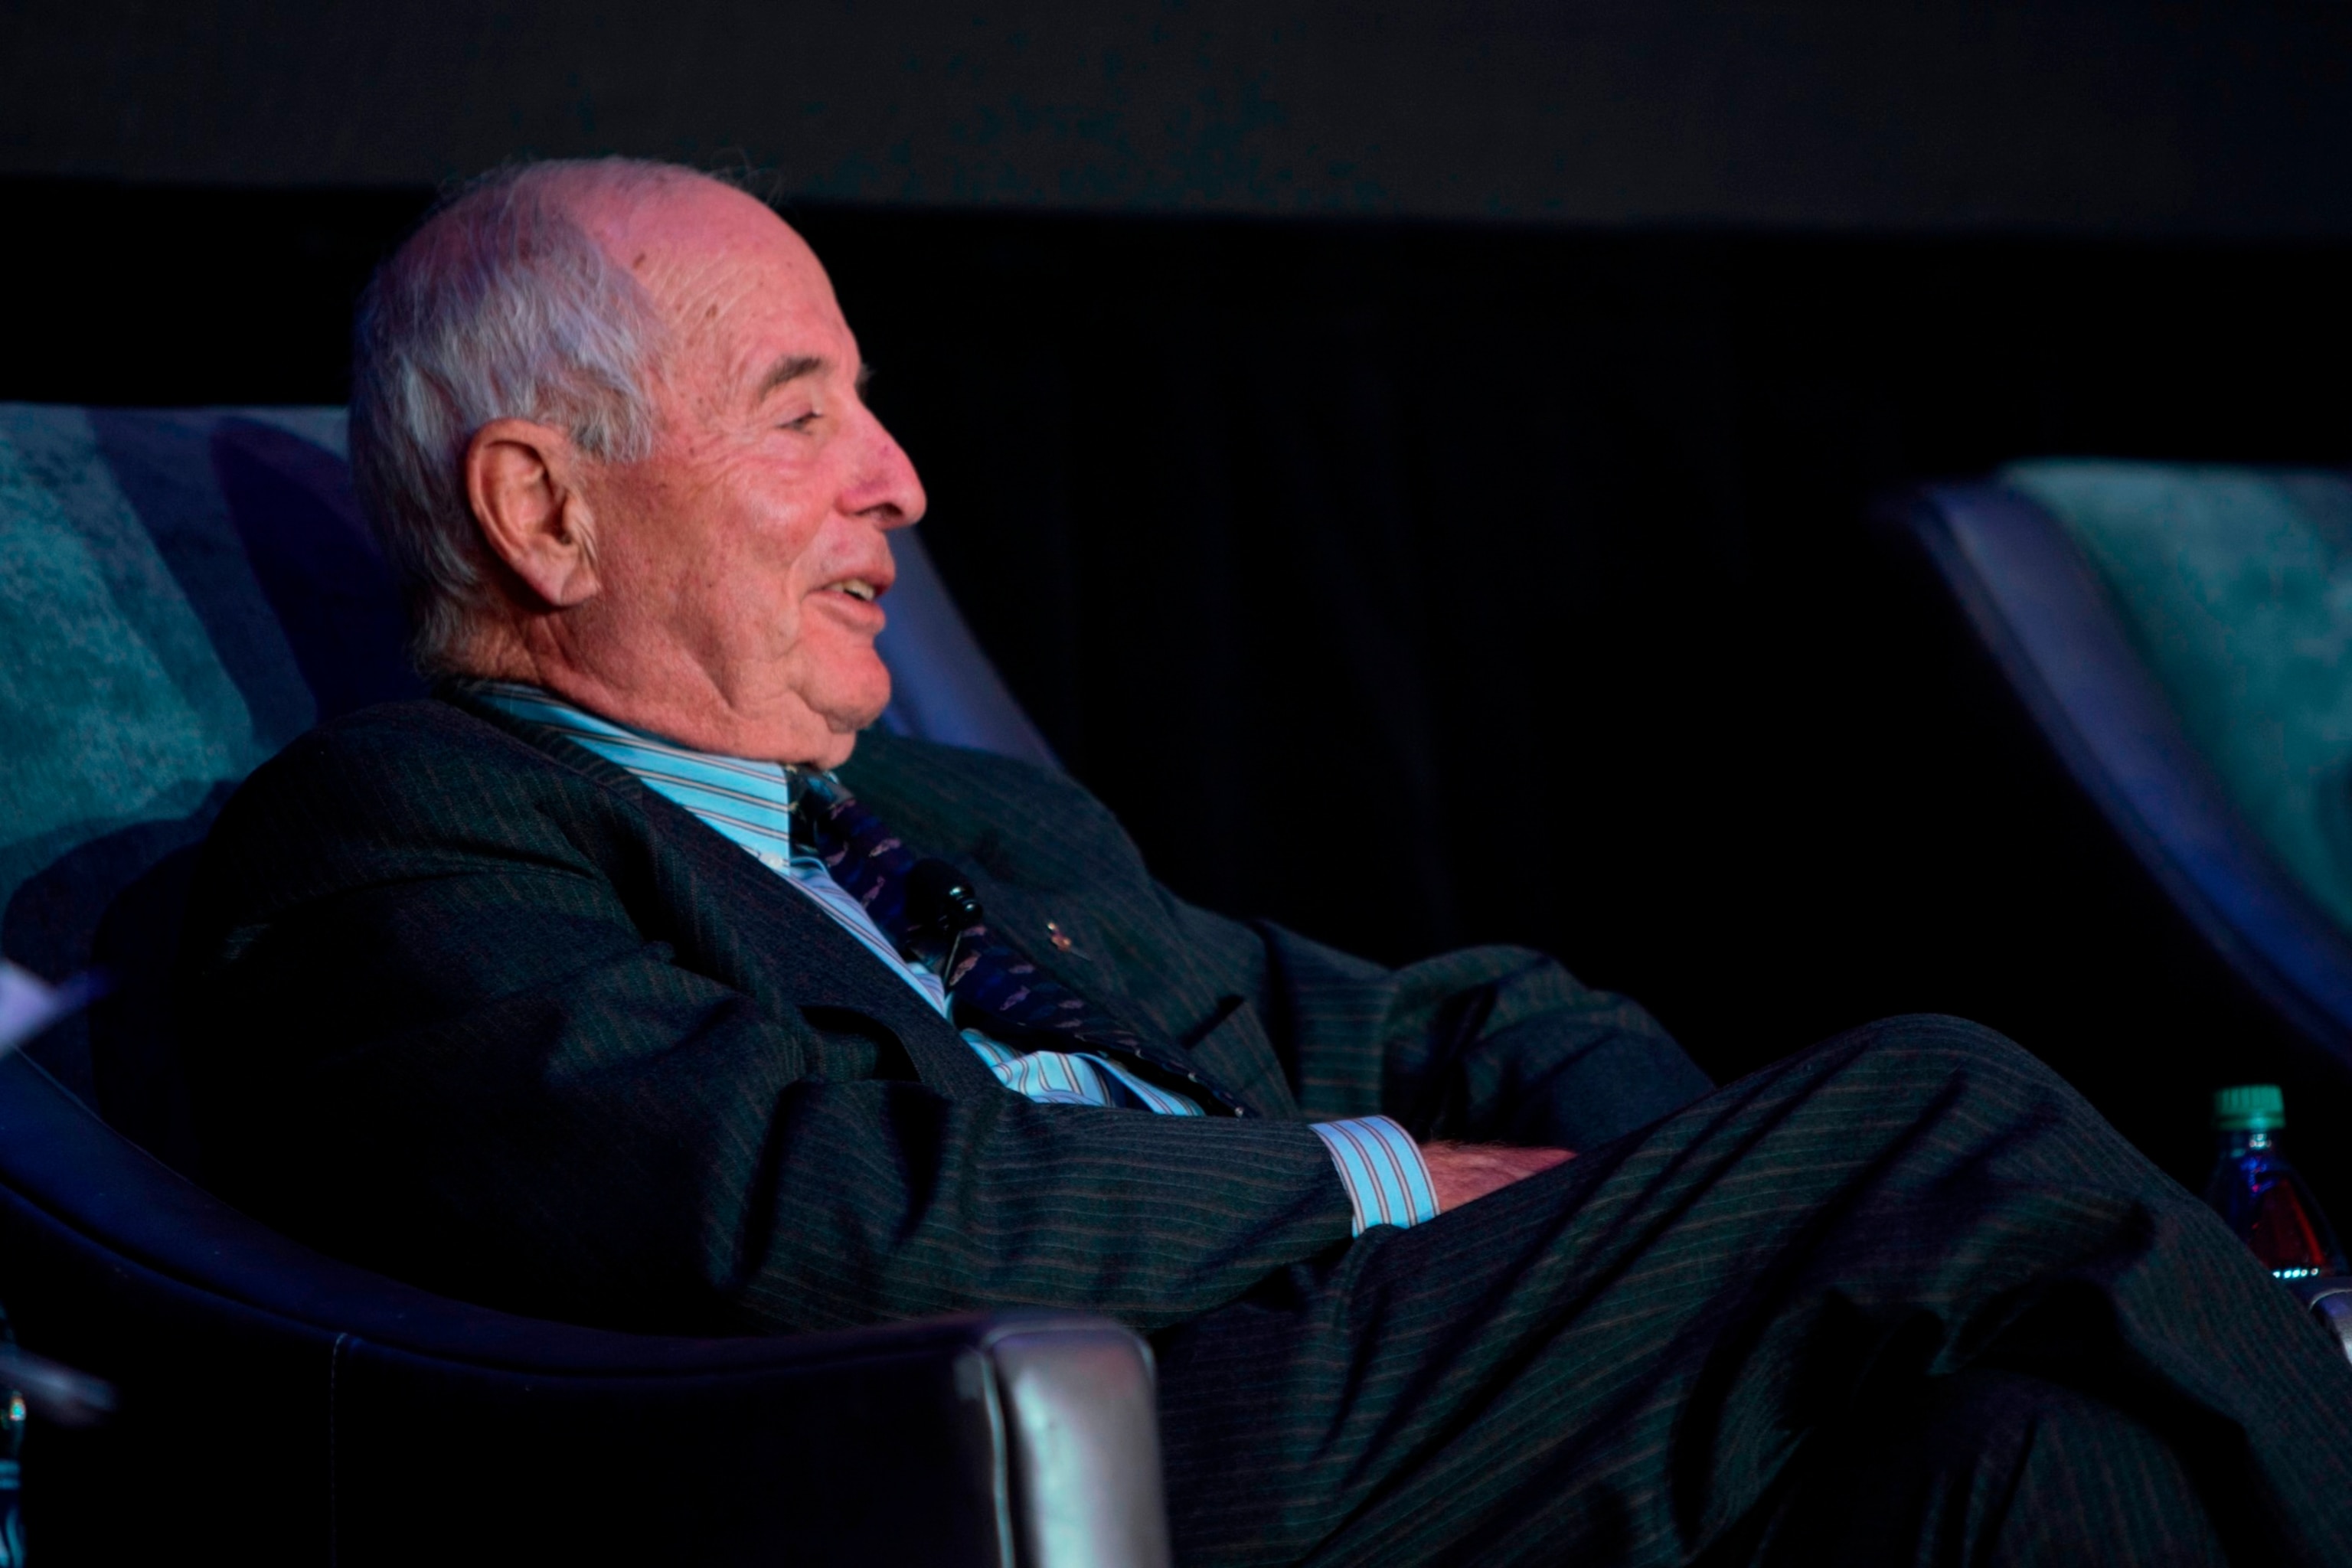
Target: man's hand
(1460, 1171)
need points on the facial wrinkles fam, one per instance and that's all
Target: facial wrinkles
(725, 549)
(757, 548)
(725, 533)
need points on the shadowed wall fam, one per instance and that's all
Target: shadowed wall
(2074, 116)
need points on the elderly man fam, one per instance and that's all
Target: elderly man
(626, 982)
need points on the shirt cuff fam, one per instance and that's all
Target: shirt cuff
(1380, 1167)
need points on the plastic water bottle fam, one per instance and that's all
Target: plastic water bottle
(2260, 1194)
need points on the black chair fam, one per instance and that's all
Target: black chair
(2064, 645)
(205, 571)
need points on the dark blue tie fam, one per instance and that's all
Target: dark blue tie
(1013, 999)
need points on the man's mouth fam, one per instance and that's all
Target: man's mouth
(856, 588)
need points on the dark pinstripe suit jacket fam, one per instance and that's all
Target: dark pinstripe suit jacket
(469, 1005)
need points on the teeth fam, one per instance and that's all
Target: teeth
(858, 588)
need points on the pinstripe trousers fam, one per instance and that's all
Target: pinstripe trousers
(1903, 1297)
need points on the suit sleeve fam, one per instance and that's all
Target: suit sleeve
(1496, 1043)
(1488, 1043)
(446, 1048)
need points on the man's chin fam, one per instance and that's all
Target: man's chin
(844, 695)
(835, 751)
(848, 711)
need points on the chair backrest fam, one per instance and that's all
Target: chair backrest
(2234, 586)
(2178, 636)
(184, 592)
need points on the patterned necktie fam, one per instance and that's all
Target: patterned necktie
(990, 977)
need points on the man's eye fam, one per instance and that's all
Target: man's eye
(801, 422)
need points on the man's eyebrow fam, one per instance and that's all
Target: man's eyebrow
(790, 368)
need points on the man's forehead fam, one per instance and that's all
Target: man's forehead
(734, 279)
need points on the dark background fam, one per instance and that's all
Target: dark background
(2129, 117)
(1417, 471)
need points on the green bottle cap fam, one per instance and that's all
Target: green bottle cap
(2248, 1108)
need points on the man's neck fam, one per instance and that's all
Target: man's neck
(708, 724)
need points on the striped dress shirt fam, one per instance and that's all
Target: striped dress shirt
(752, 803)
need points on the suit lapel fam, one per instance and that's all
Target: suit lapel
(980, 829)
(1232, 1050)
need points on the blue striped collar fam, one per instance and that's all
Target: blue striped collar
(747, 800)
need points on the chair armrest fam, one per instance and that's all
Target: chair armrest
(1083, 1431)
(989, 1441)
(984, 1442)
(308, 1411)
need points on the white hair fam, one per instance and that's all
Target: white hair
(502, 305)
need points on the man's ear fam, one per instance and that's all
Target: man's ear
(522, 479)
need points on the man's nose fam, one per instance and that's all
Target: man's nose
(885, 489)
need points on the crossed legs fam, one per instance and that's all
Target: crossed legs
(1901, 1291)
